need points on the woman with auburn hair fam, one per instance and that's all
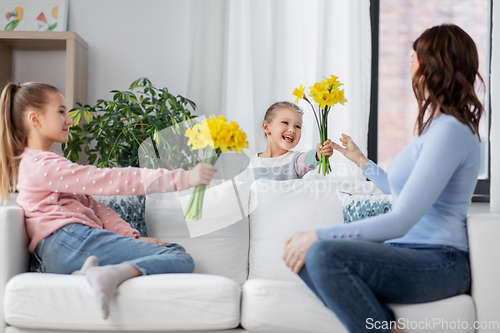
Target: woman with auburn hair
(418, 251)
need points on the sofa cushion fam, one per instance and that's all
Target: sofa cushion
(220, 252)
(270, 306)
(281, 208)
(160, 302)
(279, 306)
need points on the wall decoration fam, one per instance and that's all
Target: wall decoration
(34, 15)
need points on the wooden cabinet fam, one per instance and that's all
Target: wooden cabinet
(76, 57)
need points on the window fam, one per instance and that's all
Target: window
(395, 25)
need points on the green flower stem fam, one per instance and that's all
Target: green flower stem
(195, 205)
(314, 111)
(324, 165)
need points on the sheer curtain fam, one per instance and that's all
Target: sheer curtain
(248, 54)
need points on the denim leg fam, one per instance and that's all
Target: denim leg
(67, 249)
(355, 278)
(304, 275)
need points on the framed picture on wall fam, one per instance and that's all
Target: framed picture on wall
(34, 15)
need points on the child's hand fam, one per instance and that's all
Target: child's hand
(202, 173)
(325, 149)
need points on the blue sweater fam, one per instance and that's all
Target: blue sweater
(431, 181)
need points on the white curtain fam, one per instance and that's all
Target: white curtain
(248, 54)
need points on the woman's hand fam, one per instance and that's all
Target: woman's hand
(202, 173)
(296, 248)
(152, 240)
(325, 149)
(351, 151)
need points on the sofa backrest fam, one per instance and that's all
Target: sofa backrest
(253, 246)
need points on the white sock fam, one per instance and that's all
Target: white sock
(104, 280)
(90, 262)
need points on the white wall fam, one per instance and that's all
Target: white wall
(495, 115)
(127, 39)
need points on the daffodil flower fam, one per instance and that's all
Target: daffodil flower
(216, 136)
(299, 93)
(326, 94)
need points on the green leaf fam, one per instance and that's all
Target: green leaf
(12, 25)
(77, 118)
(193, 104)
(52, 27)
(136, 84)
(73, 113)
(87, 115)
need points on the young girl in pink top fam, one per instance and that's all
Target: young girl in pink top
(69, 231)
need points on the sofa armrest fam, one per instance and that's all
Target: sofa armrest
(14, 255)
(484, 247)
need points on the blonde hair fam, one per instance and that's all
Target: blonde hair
(14, 102)
(271, 111)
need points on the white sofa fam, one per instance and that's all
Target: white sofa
(240, 283)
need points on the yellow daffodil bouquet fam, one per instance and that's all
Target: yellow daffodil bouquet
(215, 136)
(326, 94)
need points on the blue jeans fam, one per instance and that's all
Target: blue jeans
(65, 250)
(355, 278)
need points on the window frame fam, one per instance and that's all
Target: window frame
(482, 190)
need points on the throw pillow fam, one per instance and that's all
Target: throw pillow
(131, 208)
(359, 206)
(281, 208)
(218, 242)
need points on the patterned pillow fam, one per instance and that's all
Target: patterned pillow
(131, 208)
(359, 206)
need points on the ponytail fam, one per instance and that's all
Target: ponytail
(9, 143)
(14, 102)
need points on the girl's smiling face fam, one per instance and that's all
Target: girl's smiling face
(284, 129)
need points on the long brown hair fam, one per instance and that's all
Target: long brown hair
(446, 76)
(14, 103)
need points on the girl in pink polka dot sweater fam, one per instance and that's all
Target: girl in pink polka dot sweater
(69, 231)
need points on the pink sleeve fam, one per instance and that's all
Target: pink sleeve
(111, 220)
(302, 165)
(57, 174)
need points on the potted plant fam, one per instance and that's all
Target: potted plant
(139, 121)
